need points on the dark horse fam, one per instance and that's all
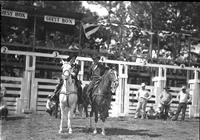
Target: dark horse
(101, 97)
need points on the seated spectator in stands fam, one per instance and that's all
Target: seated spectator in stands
(154, 54)
(12, 38)
(151, 113)
(2, 39)
(50, 42)
(73, 46)
(24, 35)
(3, 106)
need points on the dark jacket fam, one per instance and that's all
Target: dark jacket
(75, 69)
(96, 71)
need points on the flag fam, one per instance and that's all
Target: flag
(90, 29)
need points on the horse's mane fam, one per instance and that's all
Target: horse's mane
(104, 78)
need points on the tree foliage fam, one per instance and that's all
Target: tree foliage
(131, 24)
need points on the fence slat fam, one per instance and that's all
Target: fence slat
(13, 92)
(8, 78)
(45, 93)
(46, 87)
(11, 85)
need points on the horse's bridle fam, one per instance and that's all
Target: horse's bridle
(68, 71)
(114, 83)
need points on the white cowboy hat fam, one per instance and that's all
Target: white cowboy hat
(143, 85)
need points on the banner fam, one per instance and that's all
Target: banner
(15, 14)
(90, 29)
(60, 20)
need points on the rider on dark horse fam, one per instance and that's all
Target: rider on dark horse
(75, 70)
(96, 70)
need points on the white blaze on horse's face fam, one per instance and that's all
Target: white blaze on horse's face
(66, 68)
(66, 74)
(115, 82)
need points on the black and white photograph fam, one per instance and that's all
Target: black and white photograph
(100, 70)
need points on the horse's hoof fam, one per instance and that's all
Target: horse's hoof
(95, 131)
(60, 131)
(70, 131)
(103, 133)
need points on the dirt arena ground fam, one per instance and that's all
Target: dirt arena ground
(44, 127)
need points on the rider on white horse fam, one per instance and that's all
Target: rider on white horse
(75, 70)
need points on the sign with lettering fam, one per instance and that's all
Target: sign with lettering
(60, 20)
(15, 14)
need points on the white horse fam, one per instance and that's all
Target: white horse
(68, 97)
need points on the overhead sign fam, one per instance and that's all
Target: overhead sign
(15, 14)
(60, 20)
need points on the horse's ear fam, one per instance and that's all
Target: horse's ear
(62, 61)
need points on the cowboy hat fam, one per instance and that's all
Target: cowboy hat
(143, 85)
(183, 87)
(96, 57)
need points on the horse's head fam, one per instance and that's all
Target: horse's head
(114, 80)
(66, 70)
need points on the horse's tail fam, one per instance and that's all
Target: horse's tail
(84, 94)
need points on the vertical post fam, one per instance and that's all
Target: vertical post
(81, 72)
(27, 89)
(33, 83)
(126, 91)
(188, 72)
(33, 100)
(109, 24)
(23, 102)
(34, 31)
(189, 55)
(121, 106)
(80, 37)
(159, 83)
(158, 45)
(194, 109)
(151, 38)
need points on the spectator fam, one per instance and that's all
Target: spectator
(165, 101)
(158, 111)
(171, 114)
(154, 54)
(24, 35)
(50, 42)
(3, 106)
(142, 96)
(151, 113)
(50, 105)
(183, 98)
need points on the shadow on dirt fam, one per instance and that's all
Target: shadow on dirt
(13, 118)
(118, 131)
